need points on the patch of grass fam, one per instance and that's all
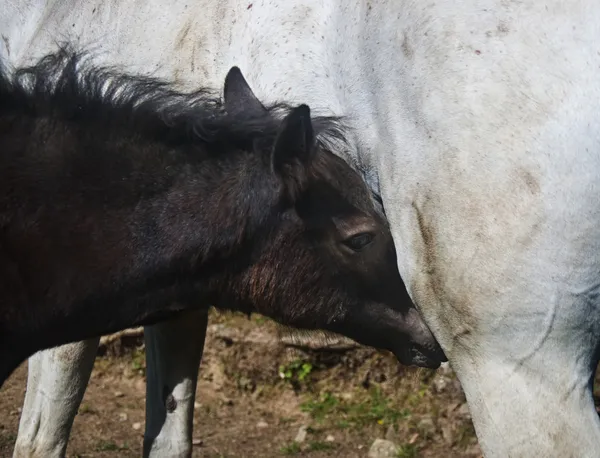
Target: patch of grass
(376, 409)
(316, 446)
(138, 361)
(293, 448)
(110, 446)
(343, 424)
(321, 407)
(407, 451)
(259, 319)
(85, 409)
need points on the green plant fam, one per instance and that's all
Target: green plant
(296, 371)
(259, 319)
(320, 407)
(85, 408)
(138, 361)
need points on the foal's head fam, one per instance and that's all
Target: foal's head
(327, 260)
(246, 202)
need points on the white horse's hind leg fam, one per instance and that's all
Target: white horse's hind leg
(173, 354)
(56, 381)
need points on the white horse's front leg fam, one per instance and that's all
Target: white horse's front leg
(543, 408)
(173, 354)
(56, 381)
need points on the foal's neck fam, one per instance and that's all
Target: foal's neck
(207, 198)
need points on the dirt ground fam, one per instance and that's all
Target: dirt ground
(256, 391)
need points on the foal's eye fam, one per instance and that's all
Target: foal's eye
(359, 241)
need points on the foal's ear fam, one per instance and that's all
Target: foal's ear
(295, 141)
(238, 96)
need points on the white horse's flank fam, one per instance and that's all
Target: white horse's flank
(478, 121)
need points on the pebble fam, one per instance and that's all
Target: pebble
(197, 442)
(262, 424)
(137, 426)
(464, 412)
(440, 383)
(329, 438)
(119, 394)
(301, 436)
(382, 448)
(123, 416)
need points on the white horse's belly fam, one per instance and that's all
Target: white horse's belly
(497, 207)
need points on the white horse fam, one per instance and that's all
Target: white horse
(478, 122)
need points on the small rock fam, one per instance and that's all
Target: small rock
(360, 447)
(301, 436)
(123, 416)
(445, 368)
(262, 424)
(440, 383)
(464, 412)
(197, 442)
(119, 394)
(196, 405)
(137, 426)
(382, 448)
(329, 438)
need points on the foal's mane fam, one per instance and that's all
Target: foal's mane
(67, 85)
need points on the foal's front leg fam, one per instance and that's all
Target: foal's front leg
(173, 354)
(56, 381)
